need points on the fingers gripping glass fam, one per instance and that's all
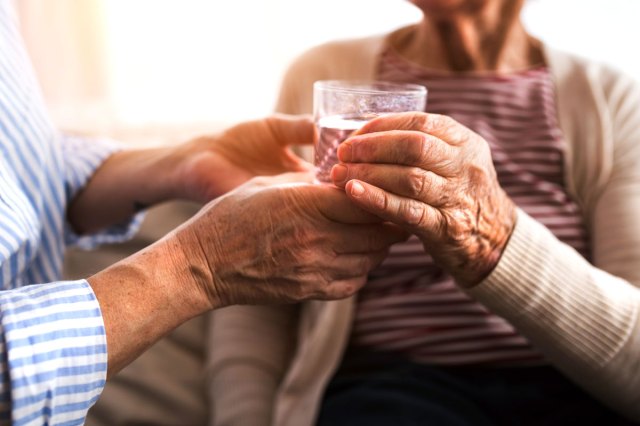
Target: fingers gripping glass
(340, 107)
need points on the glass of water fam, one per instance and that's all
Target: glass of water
(341, 106)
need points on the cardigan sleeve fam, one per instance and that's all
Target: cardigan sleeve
(249, 349)
(585, 317)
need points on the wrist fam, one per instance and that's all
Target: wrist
(142, 298)
(166, 170)
(192, 266)
(160, 173)
(178, 275)
(153, 172)
(485, 258)
(127, 182)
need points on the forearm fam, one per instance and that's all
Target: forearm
(58, 341)
(198, 170)
(125, 183)
(145, 296)
(584, 320)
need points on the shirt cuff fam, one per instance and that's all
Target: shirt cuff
(112, 235)
(82, 158)
(54, 352)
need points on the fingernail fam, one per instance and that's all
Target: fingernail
(344, 152)
(339, 173)
(357, 189)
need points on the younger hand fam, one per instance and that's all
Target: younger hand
(210, 166)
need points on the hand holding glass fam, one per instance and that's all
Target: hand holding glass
(341, 107)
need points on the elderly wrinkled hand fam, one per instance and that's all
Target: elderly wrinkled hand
(436, 178)
(279, 240)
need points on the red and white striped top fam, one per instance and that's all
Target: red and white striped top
(412, 306)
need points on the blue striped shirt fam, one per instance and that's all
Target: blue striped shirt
(52, 339)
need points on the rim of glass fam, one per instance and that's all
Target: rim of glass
(370, 87)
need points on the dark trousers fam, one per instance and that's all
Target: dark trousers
(398, 392)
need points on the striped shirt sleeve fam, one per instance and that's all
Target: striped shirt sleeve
(82, 157)
(54, 353)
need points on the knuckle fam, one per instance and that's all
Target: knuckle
(434, 121)
(350, 287)
(325, 278)
(333, 253)
(339, 292)
(443, 124)
(331, 291)
(416, 181)
(448, 121)
(312, 291)
(410, 213)
(446, 193)
(440, 120)
(458, 225)
(380, 201)
(317, 284)
(418, 120)
(418, 149)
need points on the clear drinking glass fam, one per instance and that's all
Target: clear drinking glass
(341, 106)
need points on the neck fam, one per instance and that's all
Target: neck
(491, 39)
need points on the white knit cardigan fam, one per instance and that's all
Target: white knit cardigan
(270, 365)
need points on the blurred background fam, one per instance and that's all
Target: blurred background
(156, 71)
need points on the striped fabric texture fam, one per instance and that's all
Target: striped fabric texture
(52, 337)
(413, 307)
